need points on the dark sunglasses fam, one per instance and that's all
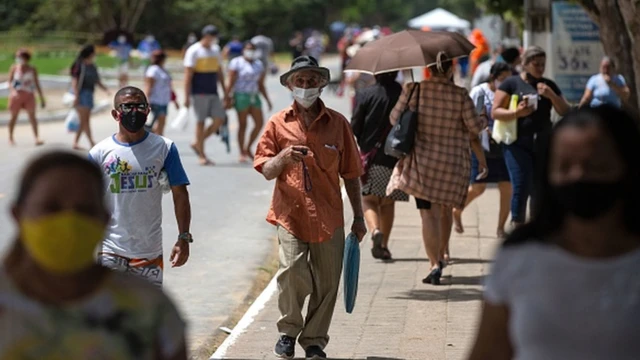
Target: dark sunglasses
(128, 107)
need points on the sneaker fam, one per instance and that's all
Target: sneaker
(285, 347)
(314, 353)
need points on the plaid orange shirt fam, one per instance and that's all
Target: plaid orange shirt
(311, 216)
(439, 167)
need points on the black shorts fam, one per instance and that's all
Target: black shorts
(423, 204)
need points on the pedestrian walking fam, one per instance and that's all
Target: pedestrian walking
(307, 147)
(437, 171)
(137, 167)
(55, 302)
(264, 48)
(233, 48)
(561, 279)
(370, 124)
(498, 173)
(146, 47)
(123, 48)
(296, 44)
(192, 38)
(159, 91)
(314, 45)
(246, 82)
(203, 71)
(537, 95)
(23, 82)
(84, 79)
(483, 71)
(607, 87)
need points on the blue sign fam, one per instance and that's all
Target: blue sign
(577, 49)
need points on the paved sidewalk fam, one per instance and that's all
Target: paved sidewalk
(396, 316)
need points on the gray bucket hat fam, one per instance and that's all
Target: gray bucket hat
(305, 63)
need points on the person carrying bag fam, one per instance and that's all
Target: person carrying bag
(401, 138)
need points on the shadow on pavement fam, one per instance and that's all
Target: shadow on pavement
(455, 261)
(446, 294)
(463, 280)
(405, 260)
(475, 237)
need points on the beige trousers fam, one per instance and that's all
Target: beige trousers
(308, 269)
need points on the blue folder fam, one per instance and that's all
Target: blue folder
(350, 271)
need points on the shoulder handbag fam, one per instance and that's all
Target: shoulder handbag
(402, 136)
(494, 151)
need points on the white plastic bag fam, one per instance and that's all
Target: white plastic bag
(163, 180)
(181, 121)
(72, 121)
(506, 131)
(68, 98)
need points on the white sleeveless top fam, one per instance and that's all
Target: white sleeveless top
(24, 80)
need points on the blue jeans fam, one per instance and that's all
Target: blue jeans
(85, 99)
(520, 164)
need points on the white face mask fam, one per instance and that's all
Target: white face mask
(215, 41)
(192, 39)
(122, 39)
(249, 54)
(150, 38)
(497, 83)
(306, 97)
(19, 60)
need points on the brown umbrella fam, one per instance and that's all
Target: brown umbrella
(408, 49)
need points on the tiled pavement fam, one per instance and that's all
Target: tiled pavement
(396, 316)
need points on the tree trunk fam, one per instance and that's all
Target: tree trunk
(630, 10)
(139, 9)
(617, 39)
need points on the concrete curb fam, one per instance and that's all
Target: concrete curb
(56, 115)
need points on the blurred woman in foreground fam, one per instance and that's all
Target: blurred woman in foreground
(566, 285)
(55, 302)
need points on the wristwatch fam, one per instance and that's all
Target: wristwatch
(186, 237)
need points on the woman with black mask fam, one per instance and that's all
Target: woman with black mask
(537, 95)
(566, 285)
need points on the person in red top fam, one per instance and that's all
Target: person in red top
(307, 148)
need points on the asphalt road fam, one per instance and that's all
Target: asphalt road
(229, 204)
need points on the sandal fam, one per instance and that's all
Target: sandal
(377, 251)
(386, 254)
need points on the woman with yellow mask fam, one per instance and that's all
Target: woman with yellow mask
(55, 302)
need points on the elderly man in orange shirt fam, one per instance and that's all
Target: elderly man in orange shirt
(307, 147)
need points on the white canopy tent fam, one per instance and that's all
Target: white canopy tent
(439, 19)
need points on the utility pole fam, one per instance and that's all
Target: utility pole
(537, 28)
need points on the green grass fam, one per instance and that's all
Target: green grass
(3, 103)
(54, 63)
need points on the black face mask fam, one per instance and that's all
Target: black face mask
(133, 121)
(588, 200)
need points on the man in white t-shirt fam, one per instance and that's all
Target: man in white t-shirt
(138, 166)
(203, 71)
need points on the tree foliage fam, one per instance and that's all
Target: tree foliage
(511, 10)
(171, 20)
